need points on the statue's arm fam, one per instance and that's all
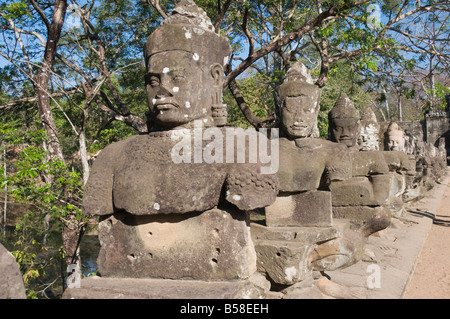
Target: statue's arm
(248, 189)
(98, 192)
(339, 163)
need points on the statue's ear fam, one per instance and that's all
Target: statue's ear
(217, 74)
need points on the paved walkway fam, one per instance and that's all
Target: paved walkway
(431, 276)
(409, 259)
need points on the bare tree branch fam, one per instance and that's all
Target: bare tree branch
(155, 4)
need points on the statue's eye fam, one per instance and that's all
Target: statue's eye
(154, 81)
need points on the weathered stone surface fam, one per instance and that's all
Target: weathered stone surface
(399, 162)
(301, 235)
(138, 175)
(307, 163)
(311, 208)
(341, 252)
(11, 281)
(284, 262)
(283, 252)
(368, 163)
(398, 185)
(213, 245)
(132, 288)
(364, 219)
(302, 290)
(362, 191)
(370, 129)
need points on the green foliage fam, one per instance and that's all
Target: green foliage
(49, 189)
(257, 91)
(439, 92)
(14, 10)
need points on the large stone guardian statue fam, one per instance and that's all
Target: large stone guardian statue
(301, 217)
(364, 198)
(174, 203)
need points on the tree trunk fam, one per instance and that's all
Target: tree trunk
(83, 150)
(41, 80)
(432, 84)
(388, 112)
(5, 205)
(400, 108)
(71, 231)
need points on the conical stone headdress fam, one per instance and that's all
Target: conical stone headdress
(344, 108)
(189, 29)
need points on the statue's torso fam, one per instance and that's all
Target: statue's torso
(141, 176)
(304, 162)
(147, 181)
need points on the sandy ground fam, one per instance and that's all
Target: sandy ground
(431, 276)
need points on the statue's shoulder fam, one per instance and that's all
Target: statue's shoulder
(319, 144)
(113, 151)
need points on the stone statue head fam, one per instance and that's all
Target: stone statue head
(369, 131)
(299, 99)
(395, 138)
(185, 62)
(344, 122)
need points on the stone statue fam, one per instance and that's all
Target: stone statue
(344, 122)
(165, 210)
(301, 216)
(369, 131)
(399, 154)
(306, 164)
(395, 138)
(363, 198)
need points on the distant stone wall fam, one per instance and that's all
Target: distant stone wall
(434, 126)
(437, 125)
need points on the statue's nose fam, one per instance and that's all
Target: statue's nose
(162, 92)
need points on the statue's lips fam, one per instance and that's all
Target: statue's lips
(297, 126)
(163, 106)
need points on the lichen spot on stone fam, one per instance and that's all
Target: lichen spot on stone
(196, 57)
(236, 197)
(187, 104)
(156, 206)
(176, 89)
(166, 70)
(290, 273)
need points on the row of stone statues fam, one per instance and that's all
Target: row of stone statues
(189, 221)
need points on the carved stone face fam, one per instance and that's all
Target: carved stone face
(396, 141)
(178, 88)
(345, 130)
(298, 115)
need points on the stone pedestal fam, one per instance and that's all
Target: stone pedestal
(132, 288)
(307, 209)
(213, 245)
